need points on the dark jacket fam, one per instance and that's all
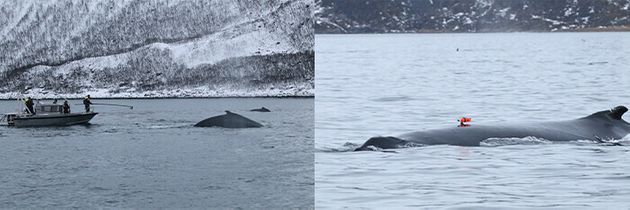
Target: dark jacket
(29, 102)
(86, 101)
(66, 108)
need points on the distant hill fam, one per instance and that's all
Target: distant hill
(393, 16)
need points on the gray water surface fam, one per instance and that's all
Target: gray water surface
(390, 84)
(152, 157)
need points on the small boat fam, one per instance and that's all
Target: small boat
(47, 115)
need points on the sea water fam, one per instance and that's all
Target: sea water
(151, 157)
(390, 84)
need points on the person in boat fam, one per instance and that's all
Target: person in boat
(29, 105)
(87, 101)
(66, 107)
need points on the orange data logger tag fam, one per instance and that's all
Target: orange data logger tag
(463, 121)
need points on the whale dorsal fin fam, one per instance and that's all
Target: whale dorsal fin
(615, 113)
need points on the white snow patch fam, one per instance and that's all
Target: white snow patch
(483, 3)
(503, 12)
(512, 16)
(468, 21)
(568, 12)
(95, 63)
(553, 22)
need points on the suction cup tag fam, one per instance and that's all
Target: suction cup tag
(463, 121)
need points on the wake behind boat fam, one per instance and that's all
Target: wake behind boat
(47, 115)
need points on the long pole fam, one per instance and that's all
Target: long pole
(106, 104)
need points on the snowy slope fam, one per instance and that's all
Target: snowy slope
(138, 48)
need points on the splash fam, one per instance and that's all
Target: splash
(529, 140)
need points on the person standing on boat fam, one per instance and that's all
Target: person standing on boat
(66, 107)
(29, 105)
(87, 102)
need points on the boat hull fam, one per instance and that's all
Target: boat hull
(53, 120)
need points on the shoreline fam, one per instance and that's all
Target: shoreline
(294, 91)
(580, 30)
(156, 98)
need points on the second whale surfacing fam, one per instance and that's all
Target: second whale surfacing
(603, 125)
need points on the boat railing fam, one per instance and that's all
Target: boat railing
(3, 120)
(7, 119)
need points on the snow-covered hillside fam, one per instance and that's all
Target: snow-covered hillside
(156, 48)
(393, 16)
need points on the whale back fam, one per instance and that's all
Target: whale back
(603, 125)
(229, 120)
(263, 109)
